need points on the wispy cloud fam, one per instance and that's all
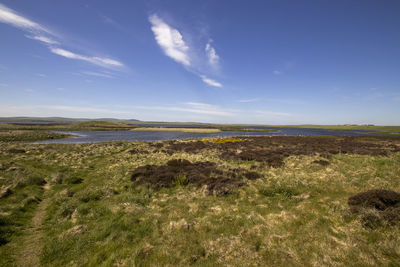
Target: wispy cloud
(273, 113)
(170, 40)
(40, 33)
(41, 75)
(248, 100)
(60, 110)
(11, 17)
(194, 107)
(98, 74)
(213, 58)
(44, 39)
(286, 101)
(172, 43)
(210, 81)
(84, 109)
(277, 72)
(103, 62)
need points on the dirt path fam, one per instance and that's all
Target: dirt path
(29, 252)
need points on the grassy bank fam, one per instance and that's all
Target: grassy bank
(185, 130)
(388, 129)
(293, 214)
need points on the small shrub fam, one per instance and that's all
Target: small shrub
(66, 209)
(284, 191)
(89, 195)
(35, 180)
(181, 180)
(72, 180)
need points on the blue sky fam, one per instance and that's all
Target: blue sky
(267, 62)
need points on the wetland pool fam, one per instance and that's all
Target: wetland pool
(106, 136)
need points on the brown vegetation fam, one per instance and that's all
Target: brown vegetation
(272, 150)
(182, 172)
(376, 207)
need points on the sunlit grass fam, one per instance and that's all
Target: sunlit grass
(185, 130)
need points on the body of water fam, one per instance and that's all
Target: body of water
(106, 136)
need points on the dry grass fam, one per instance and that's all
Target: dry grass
(185, 130)
(294, 215)
(222, 140)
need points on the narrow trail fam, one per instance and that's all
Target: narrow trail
(29, 252)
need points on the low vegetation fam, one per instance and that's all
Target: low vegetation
(28, 135)
(387, 129)
(174, 129)
(277, 200)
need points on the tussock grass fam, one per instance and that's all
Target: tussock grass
(293, 215)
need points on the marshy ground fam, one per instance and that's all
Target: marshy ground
(275, 200)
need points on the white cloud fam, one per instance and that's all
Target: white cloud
(60, 110)
(104, 62)
(273, 113)
(277, 72)
(83, 109)
(43, 39)
(98, 74)
(170, 40)
(9, 16)
(213, 58)
(248, 100)
(194, 107)
(41, 33)
(210, 81)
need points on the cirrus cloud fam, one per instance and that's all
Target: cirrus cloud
(170, 40)
(210, 81)
(172, 43)
(40, 33)
(213, 58)
(103, 62)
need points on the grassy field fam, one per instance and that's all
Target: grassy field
(387, 129)
(76, 205)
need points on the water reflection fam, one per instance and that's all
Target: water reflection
(104, 136)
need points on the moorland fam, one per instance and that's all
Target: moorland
(238, 201)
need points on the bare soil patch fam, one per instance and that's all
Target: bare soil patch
(376, 207)
(183, 172)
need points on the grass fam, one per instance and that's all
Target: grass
(222, 140)
(185, 130)
(28, 135)
(384, 133)
(349, 127)
(294, 215)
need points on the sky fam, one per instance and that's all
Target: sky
(225, 61)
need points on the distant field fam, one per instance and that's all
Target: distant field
(186, 130)
(349, 127)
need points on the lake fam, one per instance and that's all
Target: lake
(105, 136)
